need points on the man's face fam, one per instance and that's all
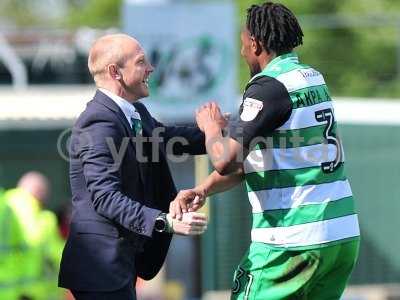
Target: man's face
(136, 72)
(248, 51)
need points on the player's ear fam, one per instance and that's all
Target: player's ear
(256, 46)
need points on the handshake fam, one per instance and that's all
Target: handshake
(182, 217)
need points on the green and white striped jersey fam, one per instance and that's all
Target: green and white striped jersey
(300, 195)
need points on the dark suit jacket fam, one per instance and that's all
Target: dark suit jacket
(115, 201)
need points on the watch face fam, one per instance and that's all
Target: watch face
(159, 225)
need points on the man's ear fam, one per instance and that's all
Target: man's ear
(256, 46)
(114, 72)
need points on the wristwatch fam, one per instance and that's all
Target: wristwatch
(161, 224)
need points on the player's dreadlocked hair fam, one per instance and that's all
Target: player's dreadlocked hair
(275, 27)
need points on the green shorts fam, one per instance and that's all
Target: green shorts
(267, 273)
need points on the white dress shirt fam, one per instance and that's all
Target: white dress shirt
(127, 108)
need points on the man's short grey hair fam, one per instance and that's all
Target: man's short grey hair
(105, 51)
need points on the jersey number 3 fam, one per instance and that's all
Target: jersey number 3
(326, 115)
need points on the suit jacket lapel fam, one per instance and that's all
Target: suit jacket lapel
(155, 170)
(106, 101)
(109, 103)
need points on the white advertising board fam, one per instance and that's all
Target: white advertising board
(193, 48)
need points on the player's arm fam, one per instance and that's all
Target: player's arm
(266, 106)
(215, 183)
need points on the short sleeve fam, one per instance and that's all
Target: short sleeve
(265, 107)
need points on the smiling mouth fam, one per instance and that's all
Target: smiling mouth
(146, 81)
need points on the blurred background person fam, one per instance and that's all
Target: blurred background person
(37, 230)
(12, 250)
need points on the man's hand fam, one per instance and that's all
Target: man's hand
(187, 201)
(192, 223)
(210, 115)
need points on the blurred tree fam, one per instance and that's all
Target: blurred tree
(94, 13)
(25, 13)
(356, 61)
(17, 12)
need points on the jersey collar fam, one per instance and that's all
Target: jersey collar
(285, 58)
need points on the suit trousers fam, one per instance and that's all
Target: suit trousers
(126, 293)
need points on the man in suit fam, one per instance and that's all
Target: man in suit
(120, 180)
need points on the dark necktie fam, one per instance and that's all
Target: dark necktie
(136, 126)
